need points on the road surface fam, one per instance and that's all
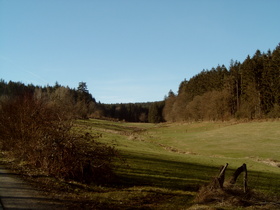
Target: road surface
(17, 194)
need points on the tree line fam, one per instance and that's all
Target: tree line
(76, 103)
(250, 90)
(151, 112)
(80, 104)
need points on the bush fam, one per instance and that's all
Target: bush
(37, 133)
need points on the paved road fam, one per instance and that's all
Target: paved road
(17, 194)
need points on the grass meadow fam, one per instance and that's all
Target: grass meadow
(165, 164)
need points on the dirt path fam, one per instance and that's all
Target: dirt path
(17, 194)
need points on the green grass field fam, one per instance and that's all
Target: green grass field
(174, 160)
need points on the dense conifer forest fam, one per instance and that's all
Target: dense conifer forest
(78, 103)
(247, 90)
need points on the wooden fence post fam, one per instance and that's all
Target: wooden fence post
(238, 171)
(245, 177)
(221, 177)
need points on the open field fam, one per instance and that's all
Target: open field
(165, 166)
(176, 159)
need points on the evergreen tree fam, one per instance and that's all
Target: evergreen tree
(168, 108)
(82, 87)
(155, 112)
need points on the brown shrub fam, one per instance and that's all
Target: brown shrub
(225, 197)
(38, 133)
(232, 196)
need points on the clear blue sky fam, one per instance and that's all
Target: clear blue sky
(129, 50)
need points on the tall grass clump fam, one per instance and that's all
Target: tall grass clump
(40, 134)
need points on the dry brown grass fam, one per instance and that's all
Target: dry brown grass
(232, 196)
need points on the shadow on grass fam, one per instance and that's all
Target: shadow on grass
(165, 173)
(160, 171)
(267, 182)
